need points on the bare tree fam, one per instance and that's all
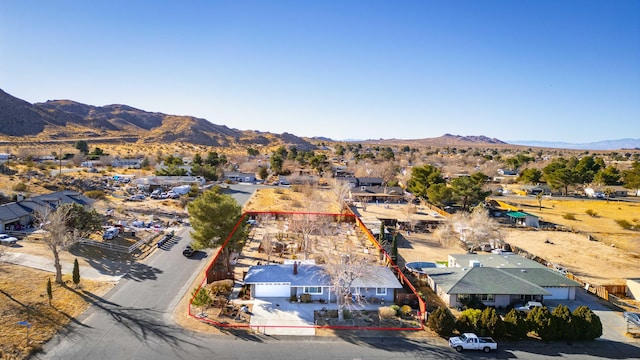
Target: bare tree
(267, 244)
(58, 236)
(344, 265)
(341, 190)
(469, 229)
(306, 225)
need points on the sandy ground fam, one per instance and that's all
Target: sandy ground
(592, 261)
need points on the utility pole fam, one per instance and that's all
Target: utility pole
(60, 160)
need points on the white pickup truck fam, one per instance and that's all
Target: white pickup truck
(471, 341)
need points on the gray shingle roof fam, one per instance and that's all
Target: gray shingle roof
(497, 261)
(542, 277)
(482, 280)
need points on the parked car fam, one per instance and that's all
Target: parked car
(188, 251)
(172, 195)
(632, 317)
(110, 233)
(529, 306)
(8, 240)
(501, 252)
(471, 341)
(137, 197)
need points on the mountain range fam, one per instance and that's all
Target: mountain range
(67, 120)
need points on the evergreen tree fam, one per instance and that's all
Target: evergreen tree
(76, 273)
(201, 298)
(587, 324)
(516, 325)
(564, 322)
(468, 320)
(441, 321)
(49, 291)
(542, 323)
(491, 324)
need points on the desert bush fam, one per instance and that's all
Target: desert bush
(625, 224)
(305, 298)
(441, 321)
(387, 312)
(20, 187)
(95, 194)
(515, 325)
(569, 216)
(591, 213)
(278, 191)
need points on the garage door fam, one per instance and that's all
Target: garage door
(269, 290)
(557, 293)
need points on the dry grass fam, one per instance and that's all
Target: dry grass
(602, 227)
(288, 199)
(23, 297)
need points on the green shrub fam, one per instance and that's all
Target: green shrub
(441, 321)
(515, 325)
(591, 213)
(569, 216)
(387, 312)
(20, 187)
(346, 314)
(396, 308)
(406, 310)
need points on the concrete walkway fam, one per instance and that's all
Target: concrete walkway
(46, 264)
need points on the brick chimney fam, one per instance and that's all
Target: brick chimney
(295, 268)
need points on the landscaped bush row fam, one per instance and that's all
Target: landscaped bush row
(560, 324)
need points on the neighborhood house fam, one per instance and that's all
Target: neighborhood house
(498, 280)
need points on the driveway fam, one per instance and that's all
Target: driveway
(613, 324)
(278, 316)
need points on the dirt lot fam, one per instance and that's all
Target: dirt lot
(597, 262)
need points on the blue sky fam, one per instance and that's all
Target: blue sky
(515, 70)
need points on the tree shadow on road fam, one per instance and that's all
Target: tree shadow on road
(115, 264)
(145, 324)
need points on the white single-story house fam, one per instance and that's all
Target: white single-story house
(498, 280)
(287, 280)
(522, 218)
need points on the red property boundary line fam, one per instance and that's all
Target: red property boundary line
(400, 274)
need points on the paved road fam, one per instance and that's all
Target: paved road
(133, 321)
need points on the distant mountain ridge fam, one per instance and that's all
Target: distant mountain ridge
(67, 119)
(619, 144)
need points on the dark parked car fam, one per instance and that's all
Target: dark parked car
(188, 251)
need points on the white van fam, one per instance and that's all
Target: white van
(110, 233)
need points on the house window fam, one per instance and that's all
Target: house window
(462, 297)
(313, 290)
(381, 291)
(488, 297)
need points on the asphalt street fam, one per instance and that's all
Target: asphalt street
(133, 321)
